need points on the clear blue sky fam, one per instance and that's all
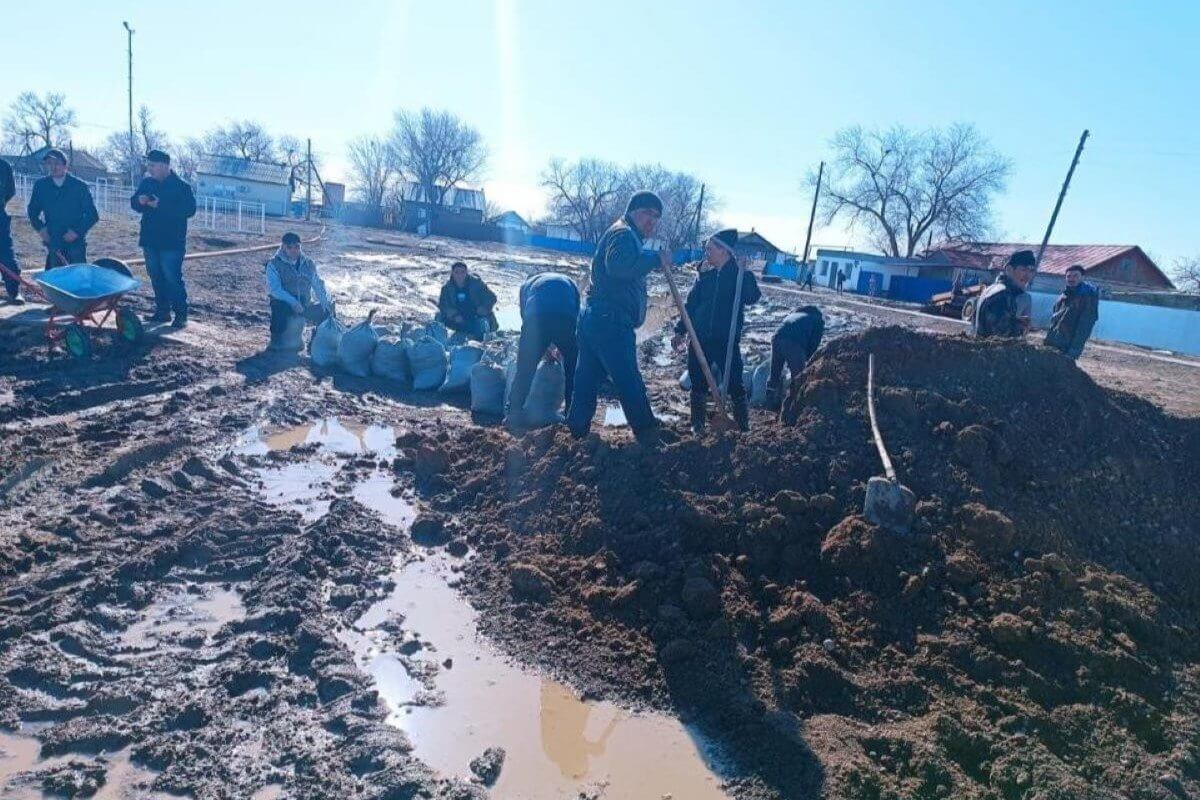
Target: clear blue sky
(745, 95)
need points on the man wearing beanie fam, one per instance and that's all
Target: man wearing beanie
(1004, 308)
(166, 202)
(61, 210)
(615, 308)
(710, 304)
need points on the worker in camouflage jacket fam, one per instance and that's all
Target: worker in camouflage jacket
(1005, 309)
(1075, 313)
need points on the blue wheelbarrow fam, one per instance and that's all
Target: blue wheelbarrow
(82, 299)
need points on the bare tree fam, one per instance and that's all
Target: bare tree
(119, 156)
(38, 121)
(372, 171)
(903, 186)
(437, 151)
(1187, 274)
(245, 139)
(589, 194)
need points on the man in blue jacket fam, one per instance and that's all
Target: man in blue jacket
(166, 202)
(62, 211)
(616, 307)
(549, 314)
(792, 346)
(8, 188)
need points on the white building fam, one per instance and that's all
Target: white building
(233, 179)
(859, 268)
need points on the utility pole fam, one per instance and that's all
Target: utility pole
(308, 185)
(699, 213)
(813, 214)
(133, 157)
(1062, 193)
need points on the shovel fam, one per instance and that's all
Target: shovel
(733, 324)
(888, 503)
(722, 421)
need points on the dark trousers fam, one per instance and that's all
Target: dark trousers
(281, 313)
(166, 276)
(715, 353)
(608, 347)
(789, 353)
(7, 257)
(74, 253)
(538, 332)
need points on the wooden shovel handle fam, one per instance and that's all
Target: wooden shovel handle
(695, 342)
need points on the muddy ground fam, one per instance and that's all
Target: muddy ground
(168, 625)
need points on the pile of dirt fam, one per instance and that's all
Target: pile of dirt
(1035, 635)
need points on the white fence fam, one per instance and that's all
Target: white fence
(212, 213)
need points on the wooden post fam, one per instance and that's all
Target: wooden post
(813, 214)
(308, 185)
(1062, 193)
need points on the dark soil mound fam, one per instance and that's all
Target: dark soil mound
(1035, 636)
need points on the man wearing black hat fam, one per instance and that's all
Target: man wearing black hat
(8, 188)
(1004, 307)
(61, 210)
(166, 202)
(792, 346)
(615, 308)
(711, 306)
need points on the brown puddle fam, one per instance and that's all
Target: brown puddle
(556, 744)
(123, 779)
(193, 613)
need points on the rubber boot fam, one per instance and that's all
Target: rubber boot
(741, 413)
(699, 413)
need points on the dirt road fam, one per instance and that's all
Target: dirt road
(196, 540)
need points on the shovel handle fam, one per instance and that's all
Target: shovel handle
(697, 348)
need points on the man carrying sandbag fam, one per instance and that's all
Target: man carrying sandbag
(466, 304)
(297, 294)
(549, 305)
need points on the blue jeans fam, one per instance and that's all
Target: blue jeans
(608, 347)
(166, 276)
(7, 258)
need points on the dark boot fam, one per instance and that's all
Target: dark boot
(699, 412)
(741, 413)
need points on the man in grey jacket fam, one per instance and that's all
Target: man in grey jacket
(293, 285)
(615, 309)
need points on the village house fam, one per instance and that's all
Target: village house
(240, 179)
(83, 165)
(1116, 268)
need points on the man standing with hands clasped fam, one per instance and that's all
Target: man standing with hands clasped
(615, 309)
(61, 210)
(166, 202)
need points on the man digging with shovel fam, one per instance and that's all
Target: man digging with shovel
(716, 307)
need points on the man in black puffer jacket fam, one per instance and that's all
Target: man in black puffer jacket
(166, 202)
(710, 304)
(62, 211)
(7, 257)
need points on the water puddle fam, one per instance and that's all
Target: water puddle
(509, 318)
(123, 779)
(614, 417)
(456, 695)
(191, 615)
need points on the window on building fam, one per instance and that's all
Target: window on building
(824, 267)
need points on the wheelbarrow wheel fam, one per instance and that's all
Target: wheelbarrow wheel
(116, 265)
(77, 342)
(129, 325)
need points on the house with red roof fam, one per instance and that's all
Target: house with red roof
(1116, 267)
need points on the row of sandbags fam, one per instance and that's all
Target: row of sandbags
(430, 358)
(754, 378)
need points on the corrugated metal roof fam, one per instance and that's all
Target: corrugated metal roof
(231, 167)
(458, 197)
(1056, 259)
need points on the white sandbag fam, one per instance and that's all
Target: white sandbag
(685, 381)
(325, 342)
(390, 360)
(462, 359)
(435, 330)
(427, 360)
(546, 395)
(487, 389)
(758, 385)
(291, 338)
(357, 346)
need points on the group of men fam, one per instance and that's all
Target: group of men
(62, 211)
(1004, 308)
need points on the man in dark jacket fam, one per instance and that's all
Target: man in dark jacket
(166, 203)
(615, 309)
(1004, 307)
(8, 188)
(549, 313)
(61, 210)
(466, 303)
(792, 346)
(710, 304)
(1075, 313)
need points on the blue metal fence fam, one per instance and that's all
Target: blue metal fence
(916, 290)
(562, 245)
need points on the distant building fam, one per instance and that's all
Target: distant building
(83, 165)
(1119, 267)
(860, 268)
(333, 195)
(560, 230)
(511, 221)
(231, 178)
(754, 247)
(461, 205)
